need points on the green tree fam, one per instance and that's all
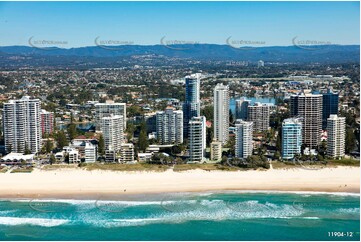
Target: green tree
(143, 139)
(207, 112)
(72, 131)
(101, 145)
(48, 146)
(27, 150)
(52, 159)
(61, 139)
(130, 130)
(350, 141)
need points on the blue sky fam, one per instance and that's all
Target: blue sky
(274, 23)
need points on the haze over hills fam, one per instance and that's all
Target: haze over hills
(204, 52)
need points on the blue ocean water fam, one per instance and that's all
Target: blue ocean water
(185, 216)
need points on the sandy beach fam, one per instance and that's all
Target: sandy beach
(67, 183)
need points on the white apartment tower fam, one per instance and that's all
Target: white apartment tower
(197, 139)
(336, 136)
(112, 129)
(221, 113)
(259, 114)
(170, 126)
(244, 137)
(308, 106)
(22, 125)
(110, 108)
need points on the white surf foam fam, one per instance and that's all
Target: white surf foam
(32, 221)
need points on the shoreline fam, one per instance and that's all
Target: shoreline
(80, 184)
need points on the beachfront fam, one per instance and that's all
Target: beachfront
(67, 183)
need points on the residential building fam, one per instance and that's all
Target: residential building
(73, 156)
(47, 122)
(127, 153)
(242, 108)
(244, 137)
(336, 131)
(112, 129)
(90, 151)
(216, 150)
(221, 113)
(192, 105)
(197, 139)
(308, 106)
(22, 125)
(170, 126)
(260, 63)
(291, 138)
(110, 108)
(330, 106)
(259, 114)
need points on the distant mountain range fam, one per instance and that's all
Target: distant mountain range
(282, 54)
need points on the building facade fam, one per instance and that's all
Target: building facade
(308, 106)
(221, 113)
(242, 108)
(170, 126)
(244, 137)
(22, 125)
(47, 122)
(330, 106)
(191, 106)
(127, 153)
(216, 150)
(259, 114)
(112, 129)
(110, 108)
(291, 138)
(90, 153)
(197, 139)
(336, 131)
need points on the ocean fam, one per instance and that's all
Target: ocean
(230, 215)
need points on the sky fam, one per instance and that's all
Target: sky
(76, 24)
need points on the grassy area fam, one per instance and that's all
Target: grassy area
(283, 165)
(206, 167)
(3, 169)
(58, 166)
(22, 170)
(344, 162)
(326, 163)
(126, 167)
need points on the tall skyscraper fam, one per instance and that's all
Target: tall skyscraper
(330, 106)
(244, 137)
(22, 125)
(309, 107)
(221, 113)
(197, 139)
(170, 126)
(112, 129)
(47, 122)
(109, 108)
(191, 106)
(242, 108)
(336, 130)
(259, 114)
(291, 138)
